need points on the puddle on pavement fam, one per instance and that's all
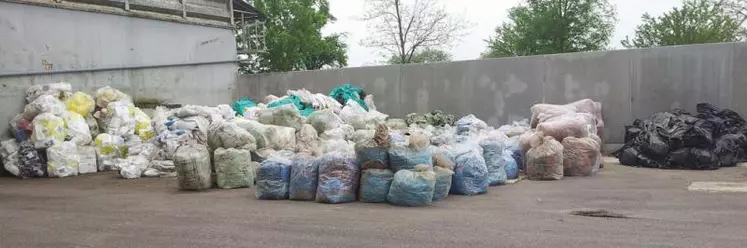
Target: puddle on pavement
(599, 213)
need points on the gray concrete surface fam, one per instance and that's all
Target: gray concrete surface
(41, 39)
(630, 83)
(103, 211)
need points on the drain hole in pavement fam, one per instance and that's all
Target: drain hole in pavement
(600, 213)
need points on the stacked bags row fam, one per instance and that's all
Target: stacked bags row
(396, 164)
(564, 140)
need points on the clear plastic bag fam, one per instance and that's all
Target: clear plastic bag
(492, 152)
(324, 120)
(470, 124)
(106, 95)
(545, 160)
(406, 158)
(375, 184)
(229, 135)
(192, 163)
(49, 130)
(307, 140)
(303, 178)
(568, 125)
(470, 171)
(580, 157)
(285, 115)
(443, 183)
(77, 128)
(31, 164)
(44, 104)
(132, 167)
(232, 168)
(273, 178)
(62, 160)
(413, 188)
(509, 163)
(119, 118)
(338, 178)
(87, 156)
(59, 90)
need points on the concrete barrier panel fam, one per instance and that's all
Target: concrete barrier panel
(681, 77)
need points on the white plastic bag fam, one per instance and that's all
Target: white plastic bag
(44, 104)
(87, 156)
(133, 166)
(108, 148)
(62, 160)
(59, 90)
(12, 164)
(106, 95)
(229, 135)
(77, 128)
(49, 130)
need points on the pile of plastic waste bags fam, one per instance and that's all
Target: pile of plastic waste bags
(345, 153)
(564, 140)
(62, 134)
(708, 139)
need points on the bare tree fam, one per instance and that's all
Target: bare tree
(402, 29)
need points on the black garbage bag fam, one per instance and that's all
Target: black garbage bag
(708, 139)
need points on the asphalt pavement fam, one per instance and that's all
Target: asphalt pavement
(653, 208)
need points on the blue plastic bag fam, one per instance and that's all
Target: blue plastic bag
(273, 176)
(492, 152)
(413, 188)
(375, 185)
(338, 179)
(303, 178)
(470, 173)
(443, 183)
(406, 158)
(509, 163)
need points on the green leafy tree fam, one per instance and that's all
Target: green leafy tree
(428, 55)
(553, 26)
(697, 21)
(293, 38)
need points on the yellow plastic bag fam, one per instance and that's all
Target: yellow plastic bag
(143, 125)
(80, 103)
(49, 130)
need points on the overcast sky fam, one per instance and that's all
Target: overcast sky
(484, 15)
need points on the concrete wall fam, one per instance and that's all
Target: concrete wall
(630, 83)
(39, 39)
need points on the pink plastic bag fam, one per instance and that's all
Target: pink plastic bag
(581, 156)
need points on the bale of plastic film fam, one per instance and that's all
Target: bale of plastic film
(413, 188)
(192, 163)
(470, 172)
(509, 163)
(443, 183)
(374, 152)
(232, 168)
(273, 177)
(545, 160)
(338, 178)
(375, 185)
(303, 178)
(492, 152)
